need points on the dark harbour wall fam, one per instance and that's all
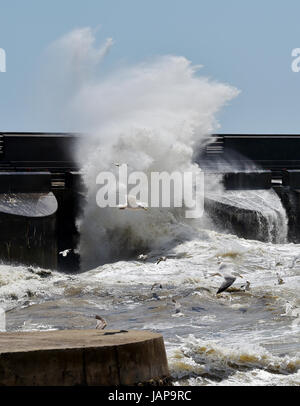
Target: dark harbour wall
(38, 199)
(244, 223)
(291, 202)
(34, 228)
(28, 241)
(42, 195)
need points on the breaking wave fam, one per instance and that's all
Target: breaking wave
(199, 361)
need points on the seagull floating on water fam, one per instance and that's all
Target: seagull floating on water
(156, 284)
(291, 310)
(280, 280)
(246, 286)
(229, 279)
(177, 306)
(101, 323)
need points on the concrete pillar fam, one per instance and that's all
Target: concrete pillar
(82, 357)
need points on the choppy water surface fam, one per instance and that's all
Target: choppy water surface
(236, 338)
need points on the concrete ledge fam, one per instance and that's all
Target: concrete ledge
(81, 357)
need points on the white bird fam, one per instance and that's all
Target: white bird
(142, 257)
(101, 323)
(65, 252)
(288, 309)
(133, 204)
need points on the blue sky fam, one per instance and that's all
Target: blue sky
(247, 44)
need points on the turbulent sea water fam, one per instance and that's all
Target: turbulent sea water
(236, 338)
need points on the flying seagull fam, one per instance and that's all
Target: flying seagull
(101, 323)
(65, 252)
(155, 295)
